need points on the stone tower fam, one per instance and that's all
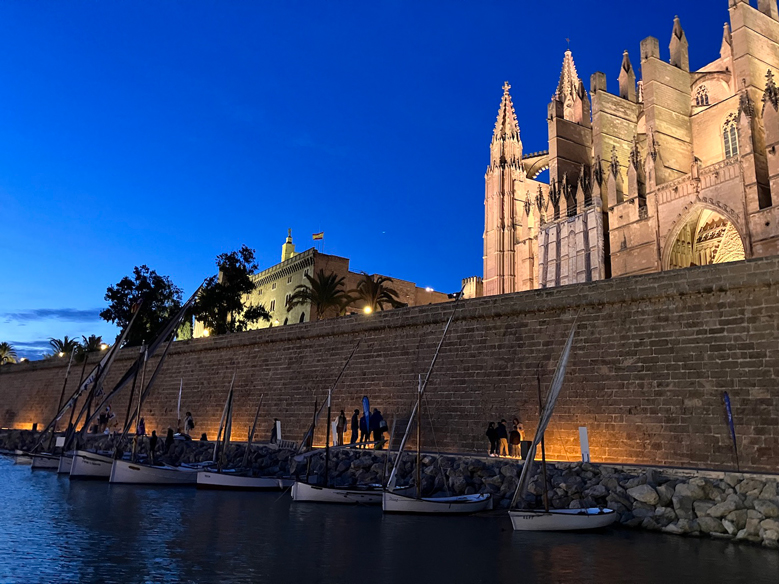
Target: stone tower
(288, 249)
(500, 220)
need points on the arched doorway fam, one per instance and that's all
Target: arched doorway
(705, 237)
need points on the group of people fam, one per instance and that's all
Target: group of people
(362, 430)
(504, 442)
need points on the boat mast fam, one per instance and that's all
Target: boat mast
(70, 431)
(59, 403)
(543, 448)
(140, 399)
(251, 434)
(222, 421)
(132, 395)
(419, 439)
(226, 436)
(327, 438)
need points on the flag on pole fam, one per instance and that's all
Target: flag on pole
(317, 236)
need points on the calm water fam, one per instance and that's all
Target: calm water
(57, 531)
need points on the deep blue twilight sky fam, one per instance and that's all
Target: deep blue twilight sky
(168, 132)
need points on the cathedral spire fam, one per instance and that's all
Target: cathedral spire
(680, 53)
(627, 79)
(506, 125)
(569, 79)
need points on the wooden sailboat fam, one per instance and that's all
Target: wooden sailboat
(404, 501)
(48, 460)
(401, 501)
(237, 478)
(310, 493)
(133, 472)
(553, 519)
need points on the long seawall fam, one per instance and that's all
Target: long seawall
(652, 357)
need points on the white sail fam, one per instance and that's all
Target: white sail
(546, 416)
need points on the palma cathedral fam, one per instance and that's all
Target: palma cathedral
(678, 169)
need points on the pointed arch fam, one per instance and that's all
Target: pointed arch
(706, 234)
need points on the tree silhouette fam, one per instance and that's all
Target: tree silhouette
(7, 353)
(374, 293)
(325, 292)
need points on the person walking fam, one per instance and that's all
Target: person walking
(503, 439)
(189, 423)
(364, 434)
(140, 429)
(340, 428)
(355, 426)
(492, 436)
(152, 445)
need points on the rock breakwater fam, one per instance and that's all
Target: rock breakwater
(732, 506)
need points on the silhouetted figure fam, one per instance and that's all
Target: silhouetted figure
(169, 441)
(153, 445)
(492, 436)
(340, 427)
(355, 426)
(503, 439)
(189, 423)
(364, 434)
(203, 437)
(378, 426)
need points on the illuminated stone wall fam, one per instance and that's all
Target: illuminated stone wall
(651, 359)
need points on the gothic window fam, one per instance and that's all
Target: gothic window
(702, 96)
(730, 136)
(273, 287)
(272, 305)
(302, 317)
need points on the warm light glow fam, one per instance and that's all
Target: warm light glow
(276, 322)
(103, 347)
(367, 310)
(206, 332)
(428, 289)
(22, 359)
(61, 354)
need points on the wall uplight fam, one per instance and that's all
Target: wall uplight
(276, 322)
(367, 310)
(103, 347)
(206, 332)
(61, 354)
(428, 289)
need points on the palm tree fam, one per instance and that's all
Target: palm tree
(7, 353)
(372, 290)
(89, 345)
(324, 292)
(64, 346)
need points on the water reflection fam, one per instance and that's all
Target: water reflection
(55, 530)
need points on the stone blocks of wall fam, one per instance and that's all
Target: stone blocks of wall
(652, 356)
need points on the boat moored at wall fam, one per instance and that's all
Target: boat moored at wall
(91, 465)
(126, 472)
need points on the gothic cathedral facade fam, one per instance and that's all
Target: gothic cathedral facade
(680, 169)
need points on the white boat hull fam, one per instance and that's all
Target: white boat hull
(215, 480)
(66, 462)
(562, 519)
(90, 465)
(462, 504)
(21, 457)
(313, 494)
(125, 472)
(45, 462)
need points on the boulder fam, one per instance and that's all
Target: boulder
(749, 485)
(733, 479)
(645, 494)
(643, 510)
(711, 525)
(744, 536)
(738, 518)
(769, 491)
(767, 508)
(702, 507)
(752, 526)
(769, 524)
(730, 527)
(596, 492)
(666, 493)
(722, 509)
(509, 470)
(690, 490)
(770, 538)
(634, 482)
(664, 516)
(683, 506)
